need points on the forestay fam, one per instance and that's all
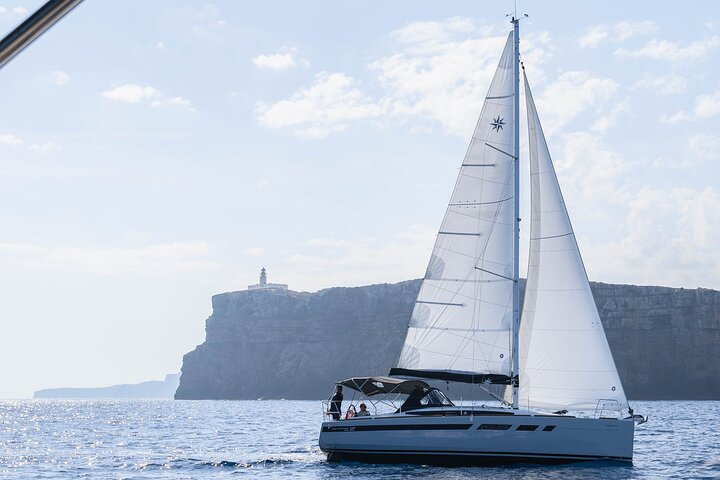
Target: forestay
(565, 361)
(461, 322)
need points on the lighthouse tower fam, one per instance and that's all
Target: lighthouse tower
(264, 285)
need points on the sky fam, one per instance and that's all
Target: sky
(153, 154)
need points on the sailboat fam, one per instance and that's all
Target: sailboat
(563, 400)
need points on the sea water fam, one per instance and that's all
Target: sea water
(165, 439)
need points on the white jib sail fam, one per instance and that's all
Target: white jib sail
(463, 314)
(565, 361)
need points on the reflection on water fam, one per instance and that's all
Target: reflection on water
(269, 439)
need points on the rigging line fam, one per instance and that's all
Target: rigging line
(576, 371)
(484, 139)
(461, 233)
(451, 333)
(460, 280)
(501, 151)
(544, 172)
(499, 97)
(441, 303)
(449, 329)
(462, 254)
(496, 274)
(478, 164)
(478, 203)
(445, 249)
(602, 389)
(458, 294)
(482, 179)
(552, 236)
(464, 280)
(445, 354)
(475, 217)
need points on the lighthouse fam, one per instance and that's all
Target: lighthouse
(264, 285)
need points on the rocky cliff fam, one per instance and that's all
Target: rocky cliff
(285, 344)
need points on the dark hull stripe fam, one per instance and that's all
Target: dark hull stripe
(416, 426)
(451, 458)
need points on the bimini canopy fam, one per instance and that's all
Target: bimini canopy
(383, 385)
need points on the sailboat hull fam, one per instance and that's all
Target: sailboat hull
(477, 438)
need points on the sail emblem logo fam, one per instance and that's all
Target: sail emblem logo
(497, 123)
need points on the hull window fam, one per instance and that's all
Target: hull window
(494, 426)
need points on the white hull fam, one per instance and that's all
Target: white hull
(462, 437)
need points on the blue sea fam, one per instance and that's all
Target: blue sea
(164, 439)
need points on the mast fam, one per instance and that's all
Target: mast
(516, 194)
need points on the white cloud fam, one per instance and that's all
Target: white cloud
(703, 147)
(325, 107)
(161, 259)
(361, 261)
(569, 95)
(671, 239)
(59, 78)
(255, 251)
(286, 59)
(14, 11)
(133, 93)
(615, 33)
(671, 51)
(277, 61)
(639, 234)
(10, 139)
(663, 85)
(262, 183)
(439, 78)
(698, 149)
(706, 106)
(44, 147)
(442, 70)
(606, 121)
(130, 93)
(634, 234)
(432, 36)
(625, 30)
(203, 21)
(589, 172)
(594, 36)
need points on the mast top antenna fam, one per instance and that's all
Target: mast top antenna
(514, 17)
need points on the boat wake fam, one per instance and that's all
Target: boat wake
(296, 458)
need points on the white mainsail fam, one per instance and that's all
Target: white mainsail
(565, 360)
(462, 320)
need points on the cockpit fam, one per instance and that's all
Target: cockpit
(382, 396)
(425, 398)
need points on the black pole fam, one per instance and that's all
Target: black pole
(35, 25)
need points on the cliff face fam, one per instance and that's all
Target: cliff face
(285, 344)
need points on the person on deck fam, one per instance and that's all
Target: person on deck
(336, 403)
(363, 411)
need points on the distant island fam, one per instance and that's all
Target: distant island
(269, 342)
(152, 389)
